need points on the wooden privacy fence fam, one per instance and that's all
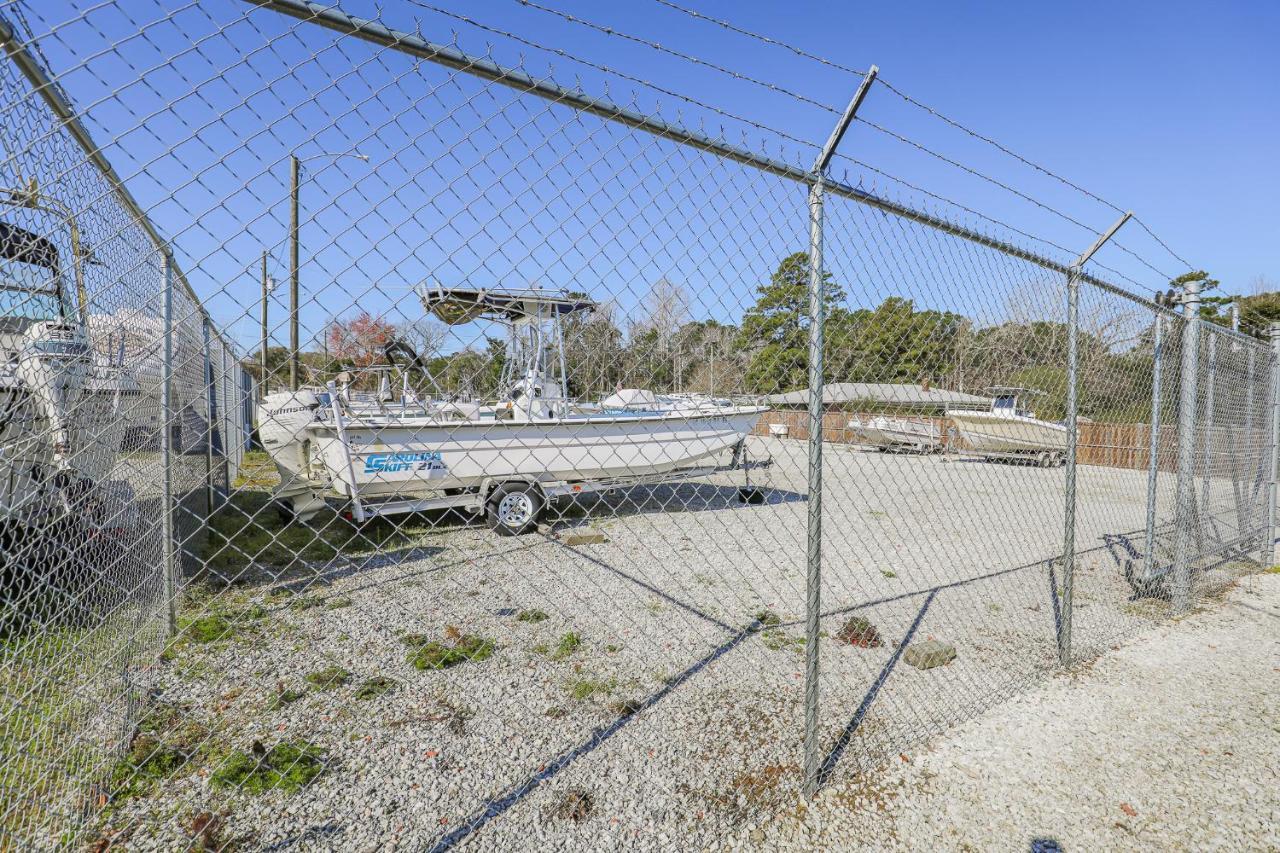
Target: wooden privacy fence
(1106, 444)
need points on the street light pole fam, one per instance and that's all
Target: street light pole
(294, 343)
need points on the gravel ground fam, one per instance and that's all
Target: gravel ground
(1171, 742)
(675, 717)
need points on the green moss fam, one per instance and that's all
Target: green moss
(329, 677)
(566, 646)
(440, 655)
(287, 766)
(372, 688)
(532, 616)
(166, 741)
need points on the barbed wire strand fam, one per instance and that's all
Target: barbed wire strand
(1026, 161)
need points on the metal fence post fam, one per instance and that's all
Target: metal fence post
(1273, 382)
(1153, 461)
(1073, 377)
(1185, 513)
(211, 408)
(1069, 507)
(813, 549)
(170, 560)
(1210, 373)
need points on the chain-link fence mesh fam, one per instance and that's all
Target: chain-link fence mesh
(502, 530)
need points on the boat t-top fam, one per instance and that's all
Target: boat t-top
(1008, 431)
(507, 457)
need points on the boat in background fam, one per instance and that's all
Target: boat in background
(919, 435)
(1008, 431)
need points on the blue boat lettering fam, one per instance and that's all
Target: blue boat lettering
(392, 463)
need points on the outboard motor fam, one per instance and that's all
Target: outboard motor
(55, 362)
(282, 427)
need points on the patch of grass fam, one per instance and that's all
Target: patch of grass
(306, 602)
(532, 616)
(217, 625)
(1273, 570)
(778, 641)
(415, 641)
(585, 687)
(329, 677)
(339, 603)
(248, 530)
(287, 766)
(442, 655)
(566, 646)
(767, 618)
(372, 688)
(612, 649)
(285, 697)
(166, 741)
(889, 573)
(626, 707)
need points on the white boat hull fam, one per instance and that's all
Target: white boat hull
(408, 458)
(898, 432)
(986, 432)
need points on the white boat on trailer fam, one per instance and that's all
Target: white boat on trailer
(887, 434)
(1011, 432)
(508, 459)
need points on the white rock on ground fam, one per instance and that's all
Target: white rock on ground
(1171, 742)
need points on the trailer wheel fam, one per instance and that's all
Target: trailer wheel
(514, 508)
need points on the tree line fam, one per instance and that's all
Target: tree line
(661, 347)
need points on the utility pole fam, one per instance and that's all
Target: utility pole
(262, 354)
(294, 343)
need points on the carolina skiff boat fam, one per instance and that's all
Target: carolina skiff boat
(509, 458)
(1010, 432)
(886, 433)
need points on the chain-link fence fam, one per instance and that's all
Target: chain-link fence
(612, 483)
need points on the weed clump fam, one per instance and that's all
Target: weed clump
(220, 624)
(306, 602)
(287, 766)
(436, 654)
(532, 616)
(768, 619)
(329, 677)
(575, 805)
(372, 688)
(857, 631)
(587, 686)
(339, 603)
(568, 644)
(778, 641)
(285, 696)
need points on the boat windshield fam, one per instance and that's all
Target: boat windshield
(27, 291)
(28, 275)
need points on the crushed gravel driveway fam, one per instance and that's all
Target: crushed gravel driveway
(1170, 742)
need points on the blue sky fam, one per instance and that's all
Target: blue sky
(1168, 109)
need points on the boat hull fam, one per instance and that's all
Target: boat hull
(985, 432)
(405, 458)
(898, 433)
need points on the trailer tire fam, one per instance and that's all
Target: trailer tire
(514, 508)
